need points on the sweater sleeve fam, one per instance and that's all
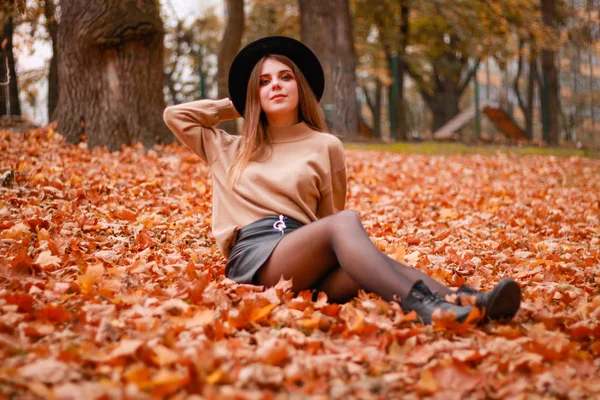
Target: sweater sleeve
(333, 194)
(194, 125)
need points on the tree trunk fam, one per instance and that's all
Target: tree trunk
(530, 93)
(110, 73)
(526, 105)
(450, 82)
(401, 133)
(443, 106)
(345, 120)
(318, 32)
(592, 139)
(326, 27)
(228, 48)
(374, 103)
(52, 26)
(550, 74)
(8, 104)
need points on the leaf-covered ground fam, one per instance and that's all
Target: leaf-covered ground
(111, 286)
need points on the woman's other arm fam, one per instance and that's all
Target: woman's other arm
(333, 193)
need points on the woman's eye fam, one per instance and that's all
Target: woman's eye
(263, 82)
(286, 77)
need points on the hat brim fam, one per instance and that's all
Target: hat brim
(246, 59)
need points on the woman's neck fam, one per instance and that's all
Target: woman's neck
(280, 121)
(289, 133)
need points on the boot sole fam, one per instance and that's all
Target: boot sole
(504, 301)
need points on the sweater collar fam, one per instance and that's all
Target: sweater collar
(292, 133)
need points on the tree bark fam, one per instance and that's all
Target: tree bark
(526, 105)
(318, 32)
(530, 92)
(443, 106)
(448, 87)
(550, 74)
(8, 104)
(228, 48)
(110, 73)
(450, 77)
(52, 26)
(345, 104)
(326, 27)
(401, 133)
(374, 104)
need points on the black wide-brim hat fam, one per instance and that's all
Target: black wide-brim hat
(244, 63)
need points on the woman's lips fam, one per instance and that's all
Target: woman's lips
(279, 96)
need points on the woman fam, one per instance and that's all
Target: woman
(279, 191)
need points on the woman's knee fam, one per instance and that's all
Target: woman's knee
(347, 218)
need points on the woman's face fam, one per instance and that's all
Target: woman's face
(278, 92)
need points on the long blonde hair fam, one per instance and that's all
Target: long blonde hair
(254, 129)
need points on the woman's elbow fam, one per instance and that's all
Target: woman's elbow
(169, 114)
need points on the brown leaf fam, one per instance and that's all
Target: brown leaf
(21, 264)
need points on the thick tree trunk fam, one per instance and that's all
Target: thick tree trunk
(550, 74)
(52, 26)
(110, 73)
(326, 27)
(8, 104)
(345, 104)
(444, 107)
(318, 32)
(451, 76)
(228, 48)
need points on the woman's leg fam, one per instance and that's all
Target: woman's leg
(311, 252)
(338, 285)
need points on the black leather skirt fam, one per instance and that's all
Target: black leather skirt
(254, 244)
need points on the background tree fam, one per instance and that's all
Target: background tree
(228, 48)
(326, 27)
(550, 78)
(110, 73)
(9, 90)
(52, 28)
(190, 46)
(527, 104)
(272, 18)
(386, 24)
(44, 11)
(440, 44)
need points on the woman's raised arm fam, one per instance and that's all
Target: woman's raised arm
(194, 125)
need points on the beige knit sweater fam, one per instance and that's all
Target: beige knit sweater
(302, 176)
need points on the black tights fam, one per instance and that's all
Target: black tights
(335, 255)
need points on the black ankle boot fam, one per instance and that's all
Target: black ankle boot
(500, 304)
(422, 300)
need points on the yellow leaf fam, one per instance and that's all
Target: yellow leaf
(427, 384)
(263, 312)
(92, 275)
(214, 377)
(309, 323)
(399, 254)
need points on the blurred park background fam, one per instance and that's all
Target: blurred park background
(475, 71)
